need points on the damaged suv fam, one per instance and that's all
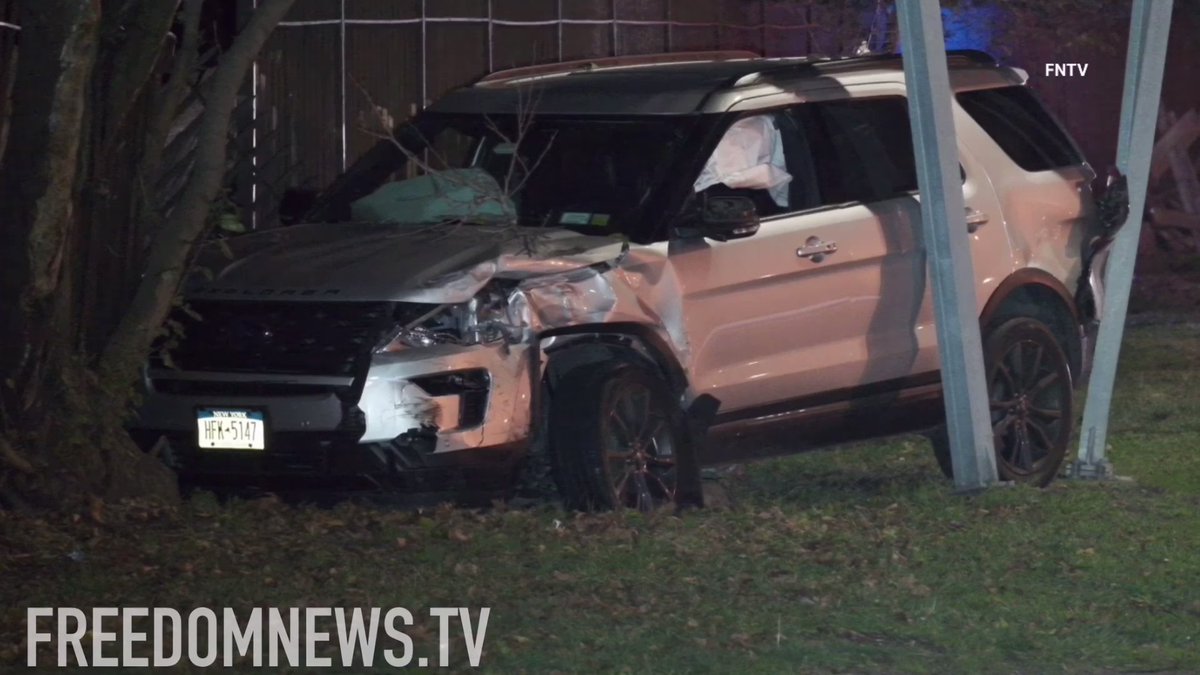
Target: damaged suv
(628, 268)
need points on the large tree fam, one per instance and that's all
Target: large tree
(90, 260)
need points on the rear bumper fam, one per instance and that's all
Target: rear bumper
(440, 419)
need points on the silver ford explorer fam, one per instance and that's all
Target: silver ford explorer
(618, 271)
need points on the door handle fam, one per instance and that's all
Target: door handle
(816, 250)
(975, 218)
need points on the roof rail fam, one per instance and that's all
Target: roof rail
(953, 57)
(825, 64)
(612, 62)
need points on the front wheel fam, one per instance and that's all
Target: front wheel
(615, 435)
(1030, 395)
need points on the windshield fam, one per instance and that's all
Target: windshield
(589, 174)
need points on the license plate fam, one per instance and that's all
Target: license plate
(221, 429)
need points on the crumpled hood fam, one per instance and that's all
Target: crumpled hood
(374, 262)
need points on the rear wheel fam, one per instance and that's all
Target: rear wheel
(615, 434)
(1030, 395)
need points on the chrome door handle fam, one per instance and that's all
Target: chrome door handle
(975, 218)
(815, 250)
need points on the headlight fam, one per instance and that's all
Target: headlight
(483, 319)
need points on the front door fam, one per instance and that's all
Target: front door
(826, 296)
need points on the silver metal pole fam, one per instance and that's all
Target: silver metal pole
(560, 32)
(947, 244)
(342, 38)
(1150, 27)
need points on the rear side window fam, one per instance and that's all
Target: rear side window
(1019, 124)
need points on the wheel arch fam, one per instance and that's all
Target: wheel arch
(624, 339)
(1036, 293)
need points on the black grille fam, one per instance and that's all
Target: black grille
(207, 388)
(302, 338)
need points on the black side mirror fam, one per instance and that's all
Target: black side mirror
(296, 204)
(724, 218)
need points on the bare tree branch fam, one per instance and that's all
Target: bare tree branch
(173, 244)
(173, 93)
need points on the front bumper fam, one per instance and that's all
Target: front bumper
(435, 419)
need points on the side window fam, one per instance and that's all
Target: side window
(1019, 124)
(862, 148)
(816, 154)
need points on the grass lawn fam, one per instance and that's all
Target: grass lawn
(856, 560)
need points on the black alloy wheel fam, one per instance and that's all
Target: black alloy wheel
(615, 436)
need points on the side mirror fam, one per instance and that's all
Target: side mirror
(296, 204)
(724, 218)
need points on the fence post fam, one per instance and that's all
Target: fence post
(670, 28)
(424, 60)
(342, 84)
(616, 50)
(762, 36)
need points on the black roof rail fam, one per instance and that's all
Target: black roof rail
(953, 57)
(812, 65)
(603, 62)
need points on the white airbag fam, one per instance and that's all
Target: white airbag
(749, 156)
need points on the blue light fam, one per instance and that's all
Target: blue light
(970, 26)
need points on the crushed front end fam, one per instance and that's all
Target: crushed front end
(388, 395)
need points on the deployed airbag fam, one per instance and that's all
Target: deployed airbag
(453, 194)
(749, 156)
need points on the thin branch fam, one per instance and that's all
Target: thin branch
(12, 459)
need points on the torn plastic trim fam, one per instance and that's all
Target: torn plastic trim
(394, 402)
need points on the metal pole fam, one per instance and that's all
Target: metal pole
(1150, 26)
(956, 311)
(615, 50)
(492, 37)
(342, 38)
(560, 32)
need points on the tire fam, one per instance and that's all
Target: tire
(1031, 399)
(615, 435)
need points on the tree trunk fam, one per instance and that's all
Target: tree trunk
(88, 121)
(38, 188)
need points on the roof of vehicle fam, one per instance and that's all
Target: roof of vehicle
(682, 83)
